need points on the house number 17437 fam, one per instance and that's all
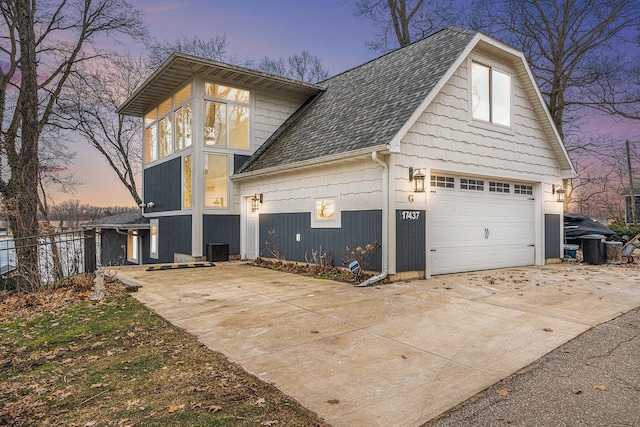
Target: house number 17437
(410, 214)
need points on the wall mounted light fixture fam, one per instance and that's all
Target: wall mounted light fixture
(559, 192)
(418, 177)
(256, 200)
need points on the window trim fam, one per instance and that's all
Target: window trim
(154, 235)
(156, 122)
(335, 222)
(132, 235)
(227, 103)
(490, 123)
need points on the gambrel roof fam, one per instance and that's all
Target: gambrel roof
(370, 107)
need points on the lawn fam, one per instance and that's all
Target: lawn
(68, 361)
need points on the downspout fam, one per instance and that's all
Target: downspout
(385, 223)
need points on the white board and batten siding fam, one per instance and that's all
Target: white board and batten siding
(468, 229)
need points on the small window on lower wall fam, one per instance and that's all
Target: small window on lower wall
(153, 243)
(471, 184)
(133, 246)
(326, 213)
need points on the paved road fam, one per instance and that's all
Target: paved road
(593, 380)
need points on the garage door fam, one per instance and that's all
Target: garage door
(479, 224)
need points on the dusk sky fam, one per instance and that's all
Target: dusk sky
(255, 28)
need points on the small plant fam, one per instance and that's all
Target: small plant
(271, 246)
(319, 257)
(360, 254)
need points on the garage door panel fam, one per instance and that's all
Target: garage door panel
(480, 230)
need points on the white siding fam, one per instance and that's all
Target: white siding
(446, 138)
(271, 110)
(356, 183)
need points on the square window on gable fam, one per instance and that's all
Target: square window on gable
(490, 95)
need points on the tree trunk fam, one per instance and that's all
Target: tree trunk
(26, 200)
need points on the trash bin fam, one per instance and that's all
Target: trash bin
(570, 251)
(593, 249)
(217, 252)
(613, 252)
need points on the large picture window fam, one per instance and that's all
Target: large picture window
(490, 94)
(226, 116)
(215, 181)
(168, 127)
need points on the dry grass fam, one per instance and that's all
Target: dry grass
(66, 360)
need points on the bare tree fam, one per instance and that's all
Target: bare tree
(42, 45)
(89, 106)
(401, 22)
(213, 49)
(304, 67)
(563, 40)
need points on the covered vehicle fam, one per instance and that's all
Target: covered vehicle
(576, 226)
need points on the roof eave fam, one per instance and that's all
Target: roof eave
(345, 156)
(179, 67)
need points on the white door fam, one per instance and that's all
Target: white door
(479, 230)
(251, 236)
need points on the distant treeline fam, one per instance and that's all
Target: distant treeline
(73, 212)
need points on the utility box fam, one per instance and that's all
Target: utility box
(217, 252)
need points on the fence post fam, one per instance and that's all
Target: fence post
(89, 250)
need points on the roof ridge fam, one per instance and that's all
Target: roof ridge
(399, 48)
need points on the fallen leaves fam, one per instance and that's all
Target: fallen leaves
(600, 387)
(502, 392)
(175, 408)
(333, 401)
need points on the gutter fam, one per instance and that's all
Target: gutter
(385, 222)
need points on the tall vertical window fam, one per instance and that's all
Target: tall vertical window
(490, 94)
(133, 246)
(226, 116)
(215, 181)
(186, 182)
(153, 241)
(168, 127)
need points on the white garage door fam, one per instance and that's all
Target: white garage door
(480, 224)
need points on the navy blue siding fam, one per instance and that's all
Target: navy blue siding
(359, 228)
(113, 248)
(411, 250)
(162, 186)
(174, 236)
(552, 236)
(239, 160)
(222, 229)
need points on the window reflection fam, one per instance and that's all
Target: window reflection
(215, 181)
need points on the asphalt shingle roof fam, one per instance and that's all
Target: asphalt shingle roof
(363, 107)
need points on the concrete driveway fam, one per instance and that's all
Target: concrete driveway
(397, 354)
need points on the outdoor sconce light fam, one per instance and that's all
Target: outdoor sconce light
(559, 192)
(256, 200)
(418, 177)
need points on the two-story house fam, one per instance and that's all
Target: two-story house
(442, 154)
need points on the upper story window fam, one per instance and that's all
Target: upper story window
(490, 94)
(168, 126)
(226, 116)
